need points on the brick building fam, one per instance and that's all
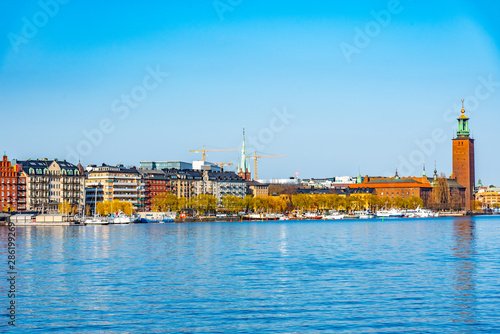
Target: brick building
(463, 159)
(13, 187)
(406, 187)
(396, 186)
(155, 183)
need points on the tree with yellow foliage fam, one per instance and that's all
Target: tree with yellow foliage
(167, 202)
(232, 203)
(112, 207)
(65, 208)
(203, 203)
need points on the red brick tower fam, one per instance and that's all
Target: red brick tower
(463, 158)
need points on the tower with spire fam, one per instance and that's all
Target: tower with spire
(463, 158)
(244, 171)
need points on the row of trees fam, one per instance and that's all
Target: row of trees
(282, 203)
(306, 202)
(110, 207)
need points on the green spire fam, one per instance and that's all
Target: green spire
(358, 179)
(243, 162)
(463, 123)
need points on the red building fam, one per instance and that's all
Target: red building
(13, 187)
(155, 184)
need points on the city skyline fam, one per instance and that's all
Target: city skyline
(310, 81)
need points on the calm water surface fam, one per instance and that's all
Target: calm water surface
(409, 275)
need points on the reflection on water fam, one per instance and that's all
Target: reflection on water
(465, 280)
(408, 275)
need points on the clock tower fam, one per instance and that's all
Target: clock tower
(463, 158)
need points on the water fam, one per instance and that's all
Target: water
(352, 276)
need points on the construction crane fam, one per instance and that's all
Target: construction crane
(255, 156)
(222, 164)
(214, 150)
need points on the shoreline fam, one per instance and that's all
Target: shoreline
(224, 219)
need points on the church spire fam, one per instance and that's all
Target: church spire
(243, 162)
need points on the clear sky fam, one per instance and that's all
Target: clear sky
(335, 86)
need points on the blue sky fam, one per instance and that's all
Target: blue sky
(241, 63)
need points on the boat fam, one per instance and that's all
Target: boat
(392, 213)
(333, 216)
(121, 218)
(420, 213)
(136, 218)
(96, 221)
(366, 215)
(312, 215)
(158, 217)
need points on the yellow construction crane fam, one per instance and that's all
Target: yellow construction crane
(222, 164)
(255, 156)
(214, 150)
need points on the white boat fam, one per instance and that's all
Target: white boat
(121, 218)
(96, 221)
(366, 215)
(420, 213)
(392, 213)
(333, 216)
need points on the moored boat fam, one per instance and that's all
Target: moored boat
(392, 213)
(121, 218)
(333, 216)
(96, 221)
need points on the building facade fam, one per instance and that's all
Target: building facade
(155, 184)
(117, 183)
(50, 183)
(191, 183)
(488, 197)
(13, 184)
(257, 189)
(393, 187)
(159, 165)
(182, 182)
(227, 183)
(463, 159)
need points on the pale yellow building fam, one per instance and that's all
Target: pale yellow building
(488, 197)
(114, 183)
(50, 183)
